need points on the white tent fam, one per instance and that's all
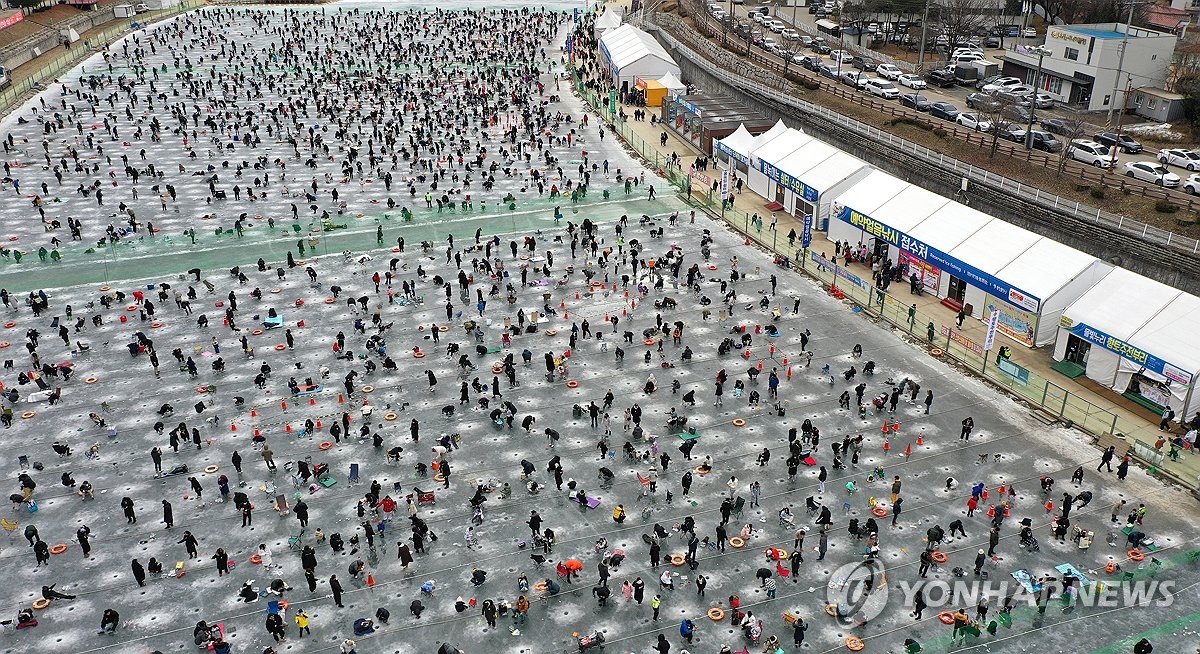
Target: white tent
(674, 85)
(812, 175)
(1129, 325)
(735, 148)
(1057, 274)
(628, 52)
(768, 153)
(610, 19)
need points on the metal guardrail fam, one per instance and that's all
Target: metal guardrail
(737, 72)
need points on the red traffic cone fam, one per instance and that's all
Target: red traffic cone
(577, 295)
(283, 403)
(232, 426)
(985, 493)
(624, 313)
(341, 399)
(633, 304)
(626, 293)
(562, 304)
(895, 427)
(1002, 489)
(312, 401)
(257, 432)
(253, 413)
(885, 427)
(566, 316)
(747, 240)
(887, 446)
(288, 429)
(921, 438)
(606, 318)
(1049, 506)
(908, 450)
(785, 360)
(760, 365)
(370, 581)
(319, 425)
(789, 375)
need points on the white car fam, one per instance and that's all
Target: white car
(761, 18)
(1002, 84)
(974, 121)
(1029, 33)
(1148, 171)
(966, 57)
(790, 34)
(912, 81)
(881, 88)
(1090, 153)
(720, 14)
(841, 56)
(1192, 184)
(776, 26)
(1180, 157)
(888, 71)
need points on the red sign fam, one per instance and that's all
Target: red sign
(11, 19)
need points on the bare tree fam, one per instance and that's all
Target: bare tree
(855, 13)
(1000, 114)
(964, 18)
(1073, 128)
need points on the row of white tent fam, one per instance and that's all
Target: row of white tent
(1042, 291)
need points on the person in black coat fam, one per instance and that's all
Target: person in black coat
(168, 514)
(139, 573)
(335, 587)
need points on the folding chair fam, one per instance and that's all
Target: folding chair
(738, 505)
(645, 481)
(353, 473)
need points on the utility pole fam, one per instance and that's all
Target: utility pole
(1112, 99)
(1112, 164)
(1041, 52)
(921, 47)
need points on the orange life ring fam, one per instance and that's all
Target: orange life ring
(572, 384)
(879, 511)
(649, 341)
(443, 328)
(715, 614)
(58, 549)
(28, 414)
(4, 344)
(678, 559)
(13, 238)
(390, 416)
(702, 472)
(739, 422)
(831, 609)
(281, 347)
(946, 617)
(325, 445)
(418, 355)
(10, 324)
(1136, 555)
(496, 370)
(105, 289)
(155, 325)
(551, 332)
(90, 380)
(211, 469)
(541, 586)
(257, 332)
(439, 478)
(277, 290)
(255, 559)
(711, 267)
(737, 542)
(939, 556)
(854, 644)
(1111, 567)
(41, 603)
(300, 302)
(368, 388)
(201, 389)
(132, 307)
(329, 300)
(937, 352)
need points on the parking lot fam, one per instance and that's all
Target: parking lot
(793, 33)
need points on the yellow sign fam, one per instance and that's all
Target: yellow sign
(1067, 36)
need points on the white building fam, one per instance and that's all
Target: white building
(1082, 63)
(628, 52)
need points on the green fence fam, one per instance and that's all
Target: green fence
(81, 50)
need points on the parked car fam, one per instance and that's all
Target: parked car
(760, 11)
(841, 56)
(864, 63)
(1029, 33)
(882, 88)
(790, 34)
(888, 71)
(1043, 140)
(979, 84)
(1124, 141)
(982, 101)
(1014, 133)
(943, 78)
(1148, 171)
(829, 70)
(808, 61)
(912, 81)
(1192, 184)
(1091, 153)
(806, 41)
(1180, 157)
(1042, 100)
(1017, 114)
(1001, 84)
(974, 121)
(140, 8)
(820, 47)
(943, 110)
(1057, 126)
(915, 101)
(854, 78)
(776, 26)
